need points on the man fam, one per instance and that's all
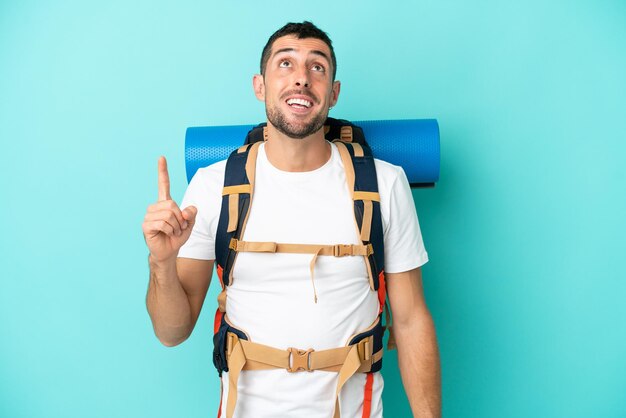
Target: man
(300, 196)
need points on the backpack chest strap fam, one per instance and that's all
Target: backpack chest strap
(338, 250)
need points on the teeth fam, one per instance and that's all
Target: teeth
(301, 102)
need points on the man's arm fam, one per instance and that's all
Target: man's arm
(414, 331)
(177, 287)
(175, 296)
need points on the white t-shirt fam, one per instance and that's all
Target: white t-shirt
(271, 295)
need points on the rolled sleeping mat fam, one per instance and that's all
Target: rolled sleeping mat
(412, 144)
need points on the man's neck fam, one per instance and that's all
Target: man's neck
(296, 155)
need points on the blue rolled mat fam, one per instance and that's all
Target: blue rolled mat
(412, 144)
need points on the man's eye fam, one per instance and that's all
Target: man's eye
(318, 67)
(284, 64)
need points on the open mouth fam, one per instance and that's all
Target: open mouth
(299, 103)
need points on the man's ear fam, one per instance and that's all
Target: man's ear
(258, 83)
(334, 95)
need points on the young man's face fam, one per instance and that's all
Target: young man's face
(297, 87)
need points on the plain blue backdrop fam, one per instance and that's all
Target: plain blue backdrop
(525, 230)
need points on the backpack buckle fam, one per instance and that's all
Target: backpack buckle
(299, 360)
(341, 250)
(364, 347)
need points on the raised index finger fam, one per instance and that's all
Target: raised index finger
(164, 180)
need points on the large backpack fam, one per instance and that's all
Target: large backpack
(233, 351)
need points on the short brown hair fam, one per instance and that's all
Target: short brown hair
(301, 31)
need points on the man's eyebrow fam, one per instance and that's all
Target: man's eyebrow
(283, 50)
(321, 53)
(314, 52)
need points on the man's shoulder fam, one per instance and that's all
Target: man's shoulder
(387, 169)
(211, 172)
(387, 173)
(392, 182)
(208, 180)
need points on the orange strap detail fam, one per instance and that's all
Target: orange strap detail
(218, 320)
(382, 290)
(367, 396)
(220, 273)
(384, 306)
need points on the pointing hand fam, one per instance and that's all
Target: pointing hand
(165, 227)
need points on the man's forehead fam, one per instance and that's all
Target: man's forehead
(305, 45)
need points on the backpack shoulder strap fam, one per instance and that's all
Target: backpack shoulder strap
(236, 197)
(363, 186)
(256, 134)
(362, 182)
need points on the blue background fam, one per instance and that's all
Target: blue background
(525, 230)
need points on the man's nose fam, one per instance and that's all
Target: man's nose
(302, 78)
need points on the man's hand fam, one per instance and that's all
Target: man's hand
(165, 227)
(177, 286)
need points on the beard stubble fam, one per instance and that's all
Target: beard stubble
(293, 130)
